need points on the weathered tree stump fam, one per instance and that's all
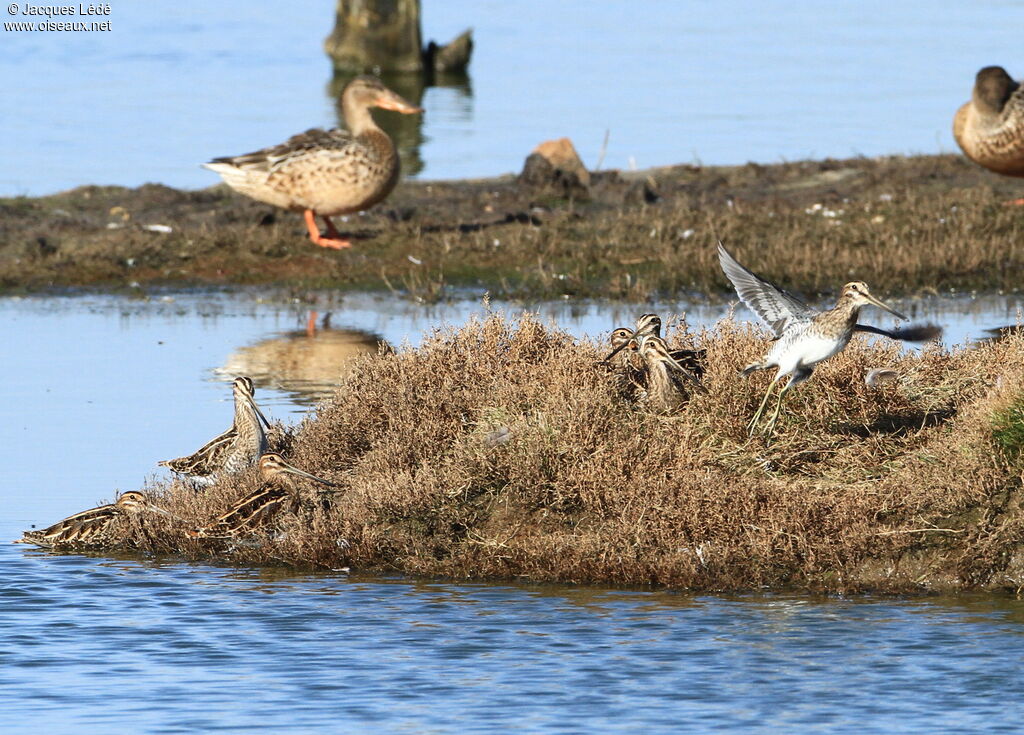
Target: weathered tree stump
(382, 36)
(376, 36)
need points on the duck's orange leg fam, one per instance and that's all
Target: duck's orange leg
(333, 240)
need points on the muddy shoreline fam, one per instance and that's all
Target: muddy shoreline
(906, 225)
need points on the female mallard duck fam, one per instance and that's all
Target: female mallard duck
(278, 491)
(325, 172)
(232, 451)
(91, 528)
(990, 128)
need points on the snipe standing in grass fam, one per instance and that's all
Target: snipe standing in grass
(649, 325)
(326, 172)
(235, 449)
(668, 382)
(804, 337)
(90, 528)
(278, 492)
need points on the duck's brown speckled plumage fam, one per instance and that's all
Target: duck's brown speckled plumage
(325, 172)
(990, 128)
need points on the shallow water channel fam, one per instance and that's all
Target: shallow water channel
(97, 389)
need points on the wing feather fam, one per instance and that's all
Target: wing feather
(775, 307)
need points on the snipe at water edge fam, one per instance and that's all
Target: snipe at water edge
(278, 492)
(804, 337)
(91, 528)
(232, 451)
(326, 172)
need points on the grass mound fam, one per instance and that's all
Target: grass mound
(503, 450)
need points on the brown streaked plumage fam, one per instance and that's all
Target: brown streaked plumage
(649, 325)
(235, 449)
(629, 376)
(326, 172)
(90, 528)
(990, 128)
(278, 492)
(803, 337)
(668, 382)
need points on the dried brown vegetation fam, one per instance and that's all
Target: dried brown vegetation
(904, 225)
(503, 450)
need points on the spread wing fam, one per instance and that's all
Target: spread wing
(776, 307)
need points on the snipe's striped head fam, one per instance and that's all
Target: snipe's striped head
(132, 500)
(654, 348)
(273, 468)
(858, 293)
(620, 337)
(648, 325)
(245, 391)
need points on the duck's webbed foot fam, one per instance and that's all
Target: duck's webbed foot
(333, 239)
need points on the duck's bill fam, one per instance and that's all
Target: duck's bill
(397, 103)
(296, 471)
(881, 305)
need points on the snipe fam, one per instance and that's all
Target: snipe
(91, 528)
(804, 337)
(278, 492)
(232, 451)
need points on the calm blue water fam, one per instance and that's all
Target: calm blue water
(94, 645)
(176, 83)
(96, 389)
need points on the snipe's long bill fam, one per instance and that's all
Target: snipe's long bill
(278, 492)
(804, 337)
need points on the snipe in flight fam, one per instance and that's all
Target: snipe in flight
(804, 337)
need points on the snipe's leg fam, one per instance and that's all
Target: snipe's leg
(760, 409)
(333, 239)
(770, 429)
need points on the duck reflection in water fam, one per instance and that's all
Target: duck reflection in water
(309, 363)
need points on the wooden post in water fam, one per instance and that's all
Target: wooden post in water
(376, 36)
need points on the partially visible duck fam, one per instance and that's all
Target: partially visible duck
(990, 128)
(326, 172)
